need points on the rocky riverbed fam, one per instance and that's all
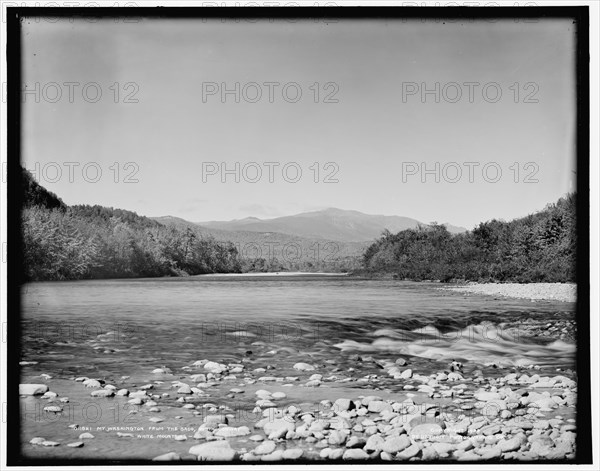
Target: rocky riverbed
(357, 408)
(566, 292)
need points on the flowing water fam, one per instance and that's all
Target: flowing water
(125, 325)
(121, 330)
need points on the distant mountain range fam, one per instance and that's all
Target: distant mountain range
(331, 239)
(330, 224)
(304, 253)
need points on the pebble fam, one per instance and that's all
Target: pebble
(232, 431)
(409, 452)
(395, 444)
(292, 454)
(103, 393)
(353, 454)
(171, 456)
(216, 419)
(406, 374)
(343, 404)
(219, 450)
(92, 383)
(265, 448)
(75, 444)
(50, 443)
(337, 437)
(304, 367)
(32, 389)
(426, 430)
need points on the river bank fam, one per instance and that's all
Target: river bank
(565, 292)
(354, 407)
(294, 369)
(229, 412)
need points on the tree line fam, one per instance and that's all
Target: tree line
(538, 248)
(63, 242)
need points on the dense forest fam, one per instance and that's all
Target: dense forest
(63, 242)
(537, 248)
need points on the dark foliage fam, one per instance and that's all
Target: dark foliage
(33, 194)
(65, 243)
(537, 248)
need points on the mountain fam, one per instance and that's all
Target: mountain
(293, 252)
(332, 224)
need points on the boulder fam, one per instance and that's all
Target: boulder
(32, 389)
(395, 444)
(353, 454)
(219, 450)
(265, 448)
(343, 404)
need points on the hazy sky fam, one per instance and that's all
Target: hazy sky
(373, 133)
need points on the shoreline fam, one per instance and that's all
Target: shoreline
(275, 274)
(563, 292)
(210, 411)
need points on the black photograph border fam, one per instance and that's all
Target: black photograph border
(579, 15)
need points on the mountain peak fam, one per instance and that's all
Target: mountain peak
(335, 224)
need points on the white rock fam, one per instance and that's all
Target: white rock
(304, 367)
(103, 393)
(265, 448)
(406, 374)
(354, 454)
(171, 456)
(50, 443)
(213, 451)
(32, 389)
(232, 432)
(92, 383)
